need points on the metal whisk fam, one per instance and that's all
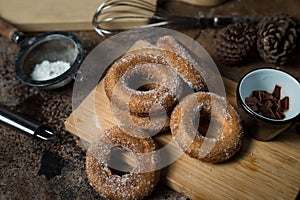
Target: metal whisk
(114, 16)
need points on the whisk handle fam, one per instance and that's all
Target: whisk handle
(223, 21)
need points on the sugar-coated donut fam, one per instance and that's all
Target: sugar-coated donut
(168, 88)
(126, 76)
(206, 127)
(198, 76)
(134, 185)
(149, 125)
(152, 125)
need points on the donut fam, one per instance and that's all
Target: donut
(152, 125)
(198, 77)
(149, 126)
(168, 87)
(126, 76)
(206, 127)
(136, 184)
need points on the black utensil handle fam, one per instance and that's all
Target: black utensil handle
(26, 125)
(215, 22)
(11, 32)
(223, 21)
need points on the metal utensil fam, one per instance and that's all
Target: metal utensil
(114, 16)
(51, 46)
(25, 125)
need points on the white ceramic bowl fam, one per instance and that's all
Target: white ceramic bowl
(260, 127)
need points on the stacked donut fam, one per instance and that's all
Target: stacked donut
(145, 84)
(152, 90)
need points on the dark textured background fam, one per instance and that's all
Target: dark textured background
(33, 169)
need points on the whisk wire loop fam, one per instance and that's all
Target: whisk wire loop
(114, 16)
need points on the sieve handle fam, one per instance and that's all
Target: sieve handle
(10, 32)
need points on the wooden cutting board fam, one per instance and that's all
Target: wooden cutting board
(50, 15)
(268, 170)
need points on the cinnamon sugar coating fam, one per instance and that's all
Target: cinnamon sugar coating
(169, 87)
(137, 184)
(206, 127)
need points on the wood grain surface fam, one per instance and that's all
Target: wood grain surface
(261, 169)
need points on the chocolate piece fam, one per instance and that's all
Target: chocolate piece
(267, 104)
(285, 103)
(282, 115)
(268, 96)
(250, 101)
(258, 94)
(254, 108)
(276, 92)
(270, 114)
(259, 104)
(279, 115)
(277, 106)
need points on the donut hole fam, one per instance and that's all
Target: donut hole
(203, 122)
(147, 87)
(207, 124)
(142, 82)
(121, 161)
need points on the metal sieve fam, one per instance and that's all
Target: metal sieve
(51, 46)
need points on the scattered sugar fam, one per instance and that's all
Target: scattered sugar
(48, 70)
(96, 121)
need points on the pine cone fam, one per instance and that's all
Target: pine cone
(276, 38)
(235, 43)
